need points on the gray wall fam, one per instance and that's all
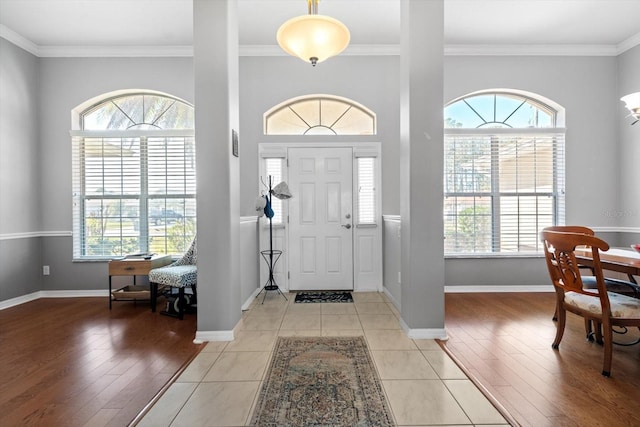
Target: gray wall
(268, 81)
(629, 154)
(587, 88)
(65, 84)
(20, 255)
(37, 179)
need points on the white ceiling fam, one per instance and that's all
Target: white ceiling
(607, 26)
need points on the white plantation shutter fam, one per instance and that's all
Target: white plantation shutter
(366, 197)
(133, 193)
(502, 186)
(274, 166)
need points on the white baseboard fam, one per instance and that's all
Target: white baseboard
(202, 336)
(52, 294)
(19, 300)
(394, 301)
(424, 333)
(251, 298)
(75, 294)
(508, 288)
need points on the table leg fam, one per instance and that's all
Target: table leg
(109, 292)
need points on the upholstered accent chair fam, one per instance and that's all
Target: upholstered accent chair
(604, 308)
(180, 274)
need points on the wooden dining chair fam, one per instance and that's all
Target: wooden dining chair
(605, 309)
(589, 280)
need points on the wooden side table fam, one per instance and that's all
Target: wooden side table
(135, 266)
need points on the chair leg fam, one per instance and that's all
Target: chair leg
(562, 320)
(598, 328)
(587, 329)
(181, 303)
(608, 348)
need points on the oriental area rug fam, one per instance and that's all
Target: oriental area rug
(321, 381)
(323, 296)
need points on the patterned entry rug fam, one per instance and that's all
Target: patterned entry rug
(323, 296)
(321, 381)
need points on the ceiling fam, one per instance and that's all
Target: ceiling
(606, 26)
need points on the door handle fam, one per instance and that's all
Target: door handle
(347, 226)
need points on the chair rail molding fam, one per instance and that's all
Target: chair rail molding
(32, 234)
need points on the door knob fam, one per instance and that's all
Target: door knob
(347, 226)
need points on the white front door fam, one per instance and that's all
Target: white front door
(320, 218)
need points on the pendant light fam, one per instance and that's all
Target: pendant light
(313, 37)
(632, 102)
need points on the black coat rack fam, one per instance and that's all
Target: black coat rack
(271, 256)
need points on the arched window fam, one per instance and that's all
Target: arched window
(134, 177)
(504, 171)
(319, 115)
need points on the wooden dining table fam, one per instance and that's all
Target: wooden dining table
(622, 260)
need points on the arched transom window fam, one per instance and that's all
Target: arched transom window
(138, 111)
(319, 115)
(504, 171)
(134, 176)
(498, 110)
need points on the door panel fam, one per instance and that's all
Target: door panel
(320, 233)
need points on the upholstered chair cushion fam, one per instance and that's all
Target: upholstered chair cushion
(621, 305)
(177, 276)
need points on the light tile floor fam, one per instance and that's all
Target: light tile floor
(424, 387)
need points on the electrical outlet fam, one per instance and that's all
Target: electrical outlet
(399, 277)
(45, 270)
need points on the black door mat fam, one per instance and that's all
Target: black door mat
(323, 296)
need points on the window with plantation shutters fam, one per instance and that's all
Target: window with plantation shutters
(503, 173)
(134, 181)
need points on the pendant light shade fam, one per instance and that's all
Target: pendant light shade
(313, 37)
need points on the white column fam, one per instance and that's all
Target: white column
(421, 165)
(215, 43)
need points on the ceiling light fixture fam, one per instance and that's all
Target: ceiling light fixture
(313, 37)
(632, 102)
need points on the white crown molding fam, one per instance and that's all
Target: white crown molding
(629, 43)
(114, 51)
(531, 50)
(352, 50)
(18, 40)
(32, 234)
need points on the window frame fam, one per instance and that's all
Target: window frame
(555, 134)
(159, 137)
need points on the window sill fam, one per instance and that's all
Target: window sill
(495, 256)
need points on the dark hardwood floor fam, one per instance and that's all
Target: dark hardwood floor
(72, 362)
(504, 340)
